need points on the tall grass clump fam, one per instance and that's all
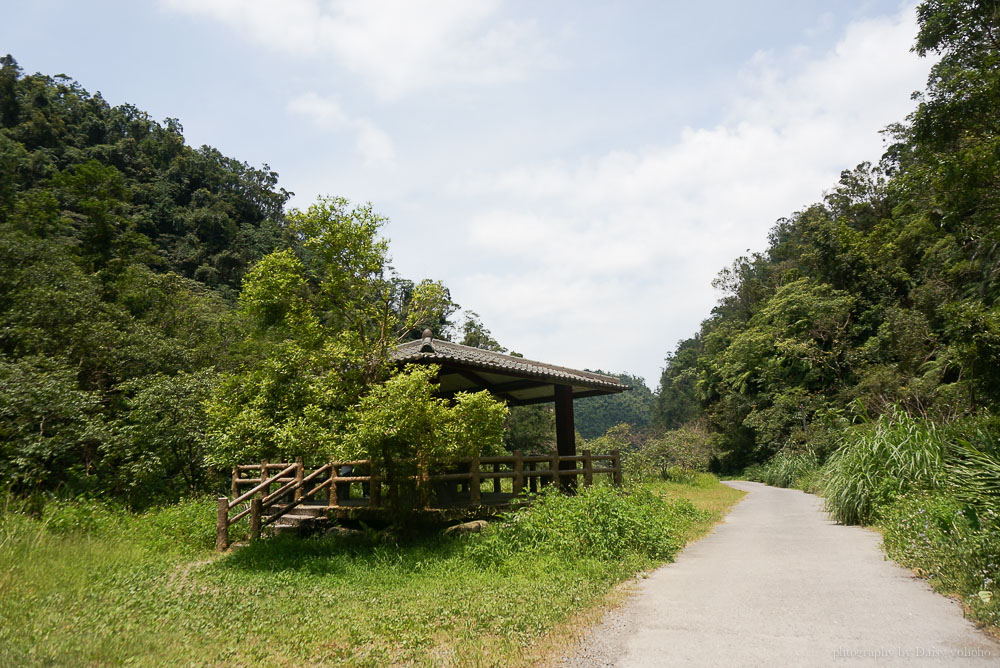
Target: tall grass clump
(973, 474)
(879, 462)
(600, 522)
(785, 469)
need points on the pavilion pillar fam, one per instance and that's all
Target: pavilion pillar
(565, 431)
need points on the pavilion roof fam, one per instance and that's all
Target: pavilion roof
(519, 380)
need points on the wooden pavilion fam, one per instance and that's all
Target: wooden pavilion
(515, 380)
(297, 501)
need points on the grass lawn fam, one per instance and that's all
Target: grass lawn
(92, 586)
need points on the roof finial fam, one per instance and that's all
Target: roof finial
(427, 346)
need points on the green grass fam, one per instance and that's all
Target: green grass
(90, 585)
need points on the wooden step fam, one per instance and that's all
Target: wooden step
(295, 518)
(304, 510)
(296, 523)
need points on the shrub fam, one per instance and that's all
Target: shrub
(690, 447)
(601, 521)
(754, 472)
(881, 461)
(974, 466)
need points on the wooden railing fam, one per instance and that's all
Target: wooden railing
(295, 486)
(299, 488)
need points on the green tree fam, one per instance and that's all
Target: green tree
(322, 322)
(156, 451)
(404, 431)
(49, 429)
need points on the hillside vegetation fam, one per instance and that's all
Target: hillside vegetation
(162, 315)
(858, 356)
(884, 294)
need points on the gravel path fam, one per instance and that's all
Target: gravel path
(779, 584)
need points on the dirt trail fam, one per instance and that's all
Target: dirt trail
(779, 584)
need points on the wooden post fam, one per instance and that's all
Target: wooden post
(565, 430)
(375, 490)
(331, 496)
(617, 465)
(222, 524)
(256, 510)
(555, 468)
(532, 480)
(474, 490)
(496, 481)
(518, 472)
(235, 489)
(588, 469)
(299, 474)
(263, 477)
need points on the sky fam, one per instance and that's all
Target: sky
(575, 172)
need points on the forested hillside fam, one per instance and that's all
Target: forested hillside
(132, 334)
(595, 415)
(882, 295)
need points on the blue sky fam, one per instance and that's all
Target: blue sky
(575, 172)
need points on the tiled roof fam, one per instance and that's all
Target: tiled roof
(429, 349)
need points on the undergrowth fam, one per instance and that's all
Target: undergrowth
(881, 461)
(958, 552)
(601, 521)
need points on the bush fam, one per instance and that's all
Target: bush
(880, 462)
(600, 521)
(974, 466)
(690, 447)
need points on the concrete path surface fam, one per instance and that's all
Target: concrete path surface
(780, 584)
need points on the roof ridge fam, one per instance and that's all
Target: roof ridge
(429, 348)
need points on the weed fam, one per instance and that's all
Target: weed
(959, 555)
(601, 522)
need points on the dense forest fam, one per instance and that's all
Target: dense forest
(881, 297)
(157, 299)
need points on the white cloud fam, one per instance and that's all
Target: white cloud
(371, 142)
(627, 242)
(395, 46)
(325, 112)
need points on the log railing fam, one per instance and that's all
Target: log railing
(295, 486)
(299, 487)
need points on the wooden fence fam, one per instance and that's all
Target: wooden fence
(354, 485)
